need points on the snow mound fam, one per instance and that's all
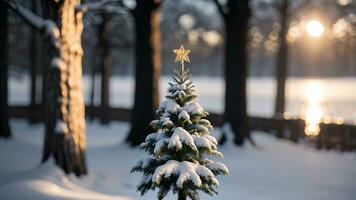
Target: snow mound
(48, 182)
(47, 190)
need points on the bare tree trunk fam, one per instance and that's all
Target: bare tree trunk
(147, 66)
(65, 122)
(92, 85)
(45, 62)
(45, 58)
(282, 56)
(105, 66)
(236, 60)
(4, 110)
(33, 65)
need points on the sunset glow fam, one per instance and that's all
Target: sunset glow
(314, 28)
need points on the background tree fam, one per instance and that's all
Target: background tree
(4, 109)
(285, 10)
(33, 63)
(146, 16)
(105, 65)
(236, 15)
(282, 57)
(102, 20)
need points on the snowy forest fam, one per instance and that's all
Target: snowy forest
(177, 99)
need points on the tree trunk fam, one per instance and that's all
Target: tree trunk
(105, 66)
(147, 70)
(45, 62)
(4, 110)
(92, 85)
(181, 195)
(33, 65)
(45, 58)
(281, 64)
(236, 60)
(65, 122)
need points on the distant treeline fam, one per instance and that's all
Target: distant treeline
(331, 58)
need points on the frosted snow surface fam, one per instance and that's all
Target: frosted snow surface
(276, 170)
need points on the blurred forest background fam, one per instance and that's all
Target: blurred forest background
(270, 41)
(198, 25)
(282, 67)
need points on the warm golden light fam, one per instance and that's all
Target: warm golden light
(314, 28)
(313, 117)
(314, 112)
(344, 2)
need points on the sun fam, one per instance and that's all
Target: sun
(314, 28)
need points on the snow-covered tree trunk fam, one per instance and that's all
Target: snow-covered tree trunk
(4, 110)
(147, 69)
(65, 116)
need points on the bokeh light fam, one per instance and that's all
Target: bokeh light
(314, 28)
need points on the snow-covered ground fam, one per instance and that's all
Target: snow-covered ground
(334, 95)
(275, 170)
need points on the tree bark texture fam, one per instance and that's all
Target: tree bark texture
(4, 65)
(236, 61)
(147, 70)
(281, 63)
(65, 122)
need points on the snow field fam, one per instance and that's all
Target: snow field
(276, 170)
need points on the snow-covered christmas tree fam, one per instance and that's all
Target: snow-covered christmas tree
(180, 147)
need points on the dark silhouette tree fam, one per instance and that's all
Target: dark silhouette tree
(33, 63)
(282, 57)
(146, 16)
(92, 84)
(285, 10)
(236, 15)
(105, 65)
(4, 109)
(102, 61)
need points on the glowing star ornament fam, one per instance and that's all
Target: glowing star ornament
(182, 55)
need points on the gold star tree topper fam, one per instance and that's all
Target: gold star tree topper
(182, 55)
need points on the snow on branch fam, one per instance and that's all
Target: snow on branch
(186, 171)
(47, 27)
(106, 6)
